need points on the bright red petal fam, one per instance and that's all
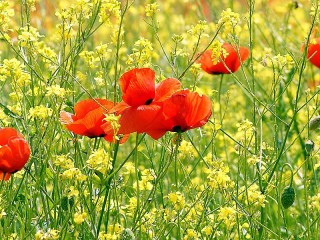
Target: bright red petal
(233, 61)
(83, 107)
(314, 53)
(187, 110)
(226, 65)
(6, 134)
(6, 158)
(138, 119)
(198, 108)
(166, 88)
(138, 86)
(89, 117)
(20, 153)
(90, 125)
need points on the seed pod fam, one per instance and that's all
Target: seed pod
(127, 234)
(314, 123)
(287, 197)
(309, 146)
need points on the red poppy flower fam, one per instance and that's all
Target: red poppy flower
(226, 65)
(313, 53)
(141, 99)
(184, 110)
(88, 117)
(14, 152)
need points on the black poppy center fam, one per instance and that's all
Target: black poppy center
(177, 129)
(149, 101)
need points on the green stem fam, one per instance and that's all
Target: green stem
(108, 185)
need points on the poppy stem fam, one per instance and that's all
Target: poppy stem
(136, 166)
(178, 141)
(219, 95)
(108, 186)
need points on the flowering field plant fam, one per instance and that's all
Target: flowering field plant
(176, 119)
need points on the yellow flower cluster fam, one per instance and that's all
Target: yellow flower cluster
(245, 132)
(199, 30)
(74, 174)
(114, 122)
(50, 234)
(191, 234)
(217, 50)
(314, 203)
(142, 53)
(100, 161)
(147, 176)
(28, 36)
(4, 118)
(79, 217)
(89, 58)
(186, 150)
(14, 69)
(55, 90)
(47, 54)
(63, 161)
(109, 9)
(177, 200)
(230, 21)
(40, 112)
(218, 177)
(252, 196)
(228, 216)
(6, 12)
(151, 9)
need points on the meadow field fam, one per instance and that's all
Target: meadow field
(168, 119)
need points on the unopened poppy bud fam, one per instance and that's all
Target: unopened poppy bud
(287, 197)
(314, 123)
(309, 146)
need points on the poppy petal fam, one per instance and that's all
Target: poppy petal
(6, 134)
(6, 158)
(138, 119)
(89, 117)
(226, 65)
(313, 53)
(166, 88)
(187, 110)
(199, 109)
(138, 86)
(83, 107)
(20, 153)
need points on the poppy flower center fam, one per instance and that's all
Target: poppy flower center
(148, 102)
(177, 129)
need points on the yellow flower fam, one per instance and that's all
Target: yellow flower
(51, 234)
(191, 235)
(177, 199)
(28, 35)
(79, 218)
(74, 174)
(6, 12)
(228, 216)
(151, 9)
(100, 160)
(40, 112)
